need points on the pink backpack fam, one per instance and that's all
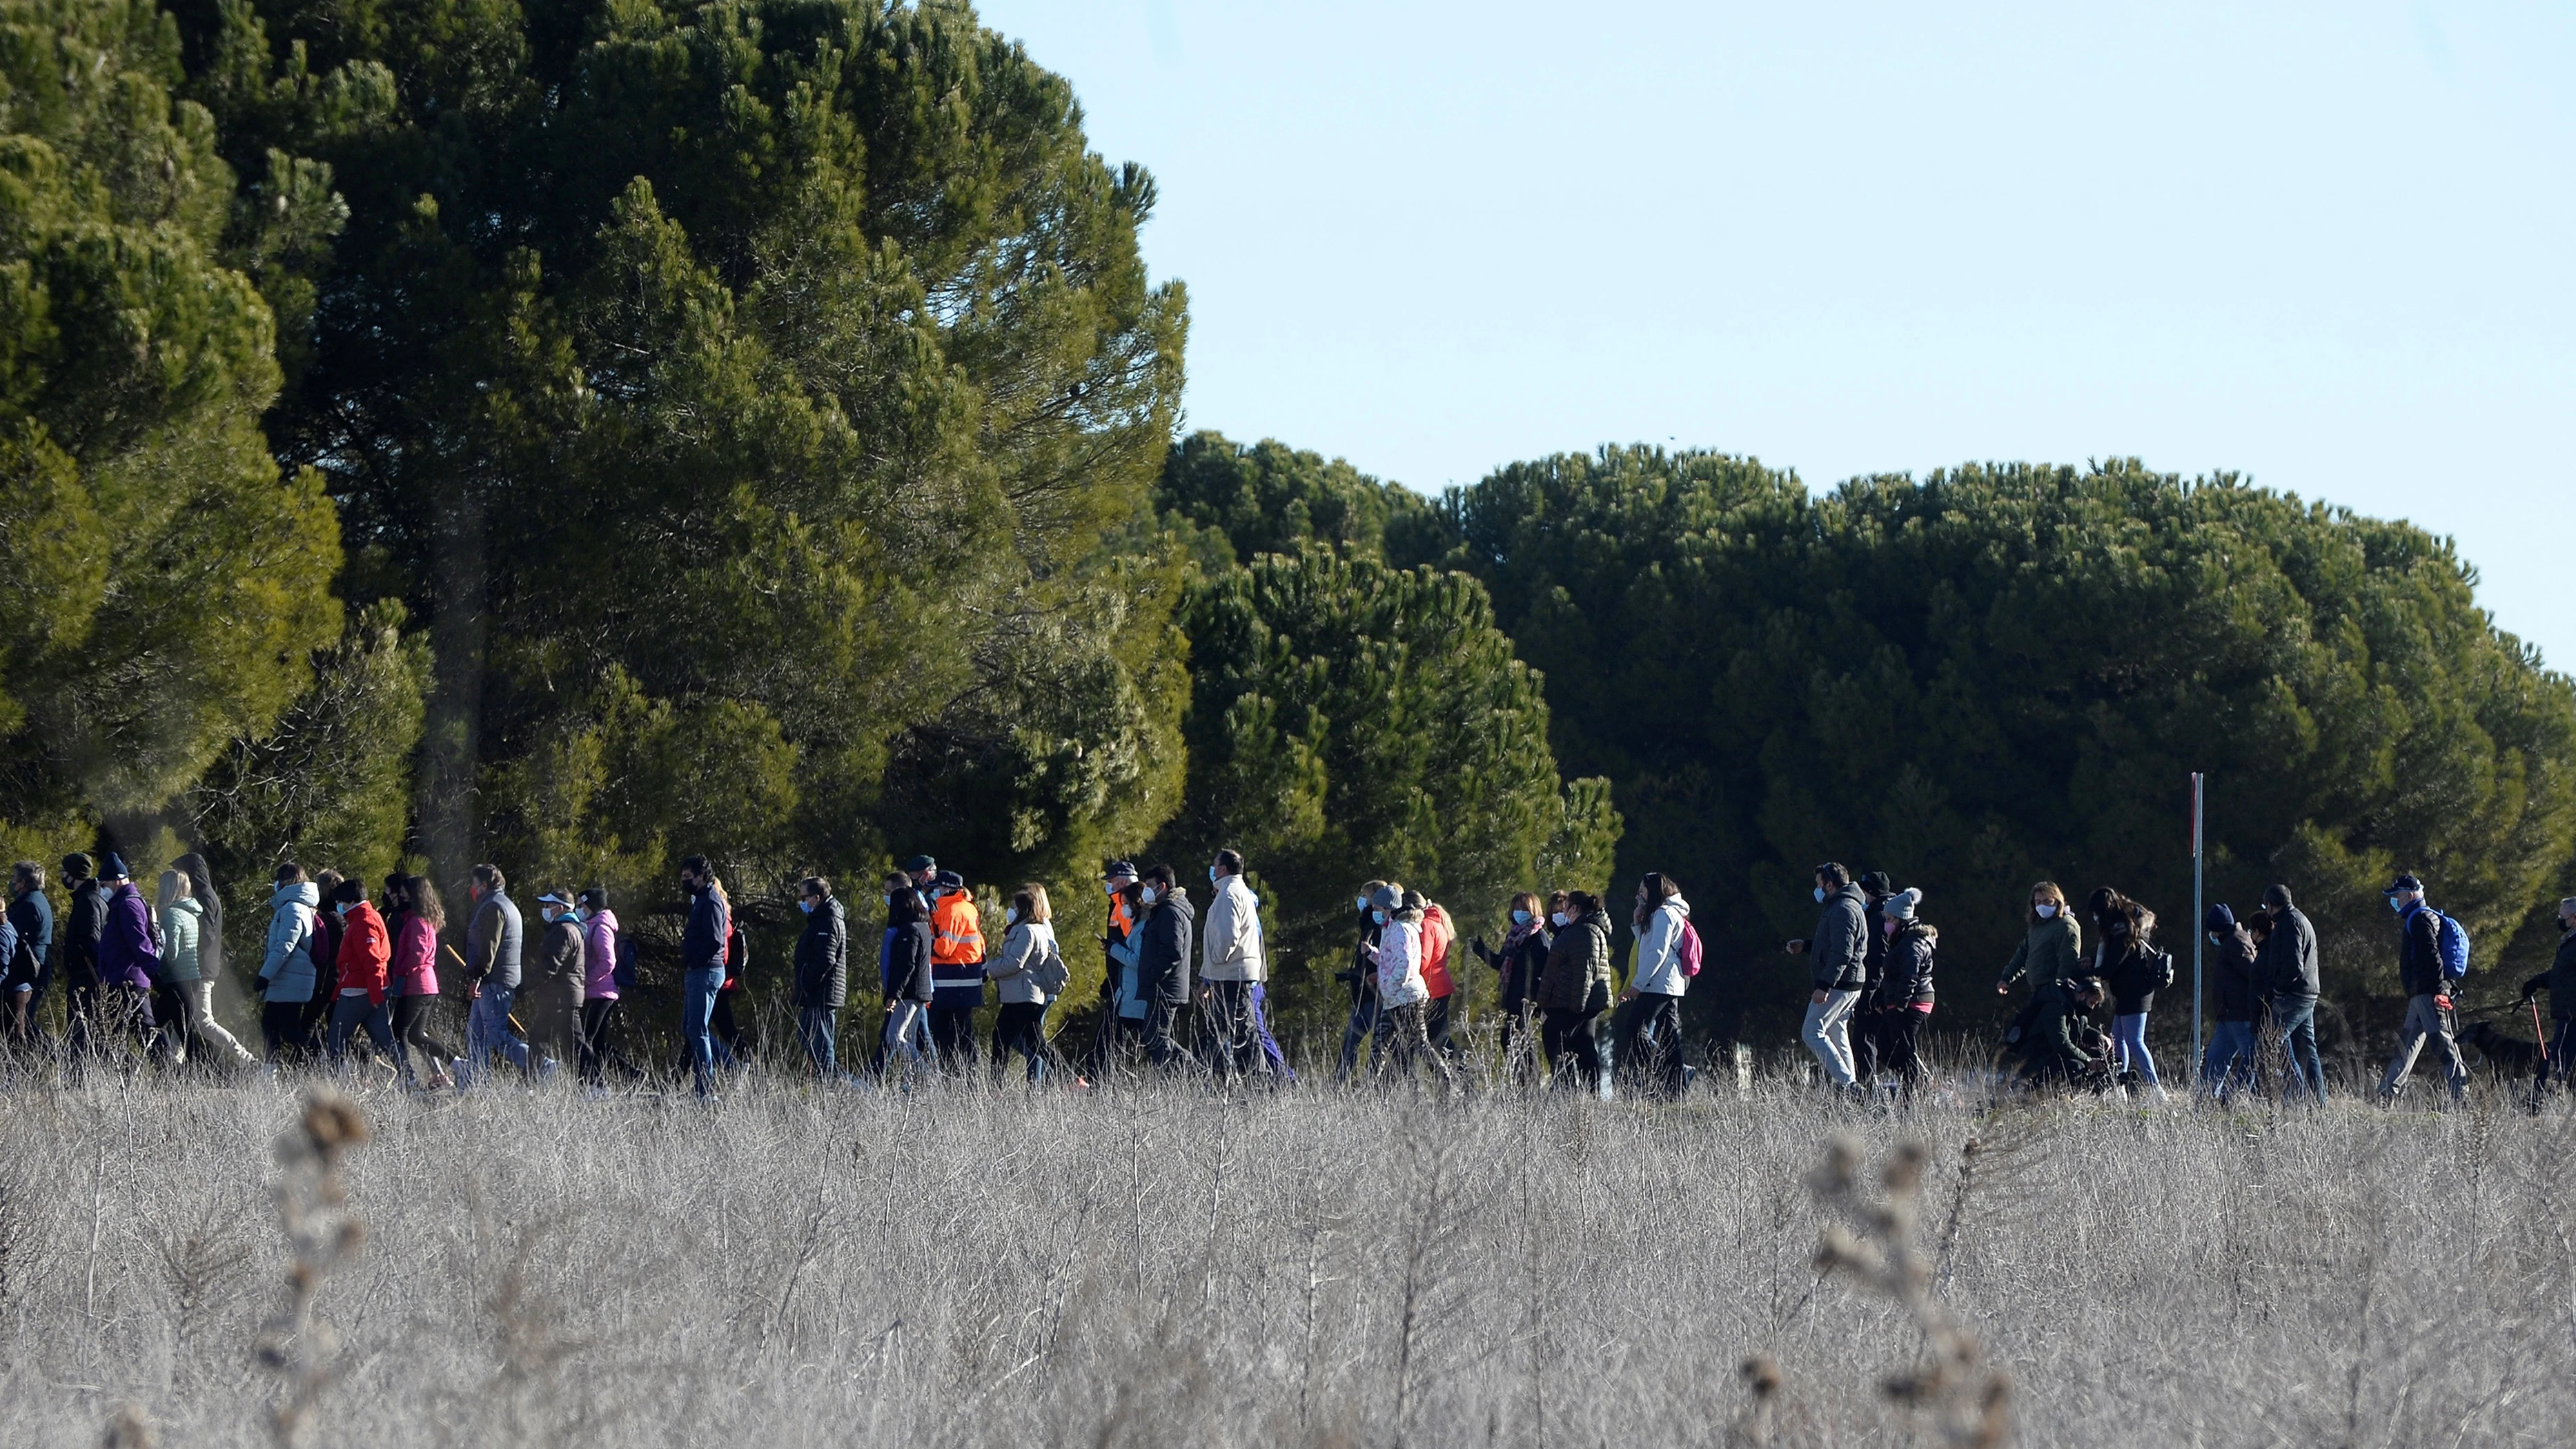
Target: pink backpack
(1690, 948)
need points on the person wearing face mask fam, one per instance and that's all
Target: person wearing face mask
(2285, 968)
(1163, 960)
(704, 955)
(129, 959)
(366, 950)
(1573, 991)
(31, 913)
(1648, 1027)
(1123, 1005)
(1912, 945)
(908, 981)
(1366, 1019)
(1401, 991)
(1029, 957)
(1231, 964)
(1839, 954)
(2052, 950)
(415, 915)
(2229, 1061)
(2133, 971)
(2560, 982)
(2421, 976)
(603, 957)
(1439, 942)
(326, 962)
(1517, 966)
(551, 997)
(822, 975)
(1867, 1018)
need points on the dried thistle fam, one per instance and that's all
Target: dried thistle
(128, 1428)
(1968, 1400)
(324, 1237)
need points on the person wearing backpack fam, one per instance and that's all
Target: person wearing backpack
(1231, 963)
(2432, 955)
(1651, 1006)
(2133, 971)
(2229, 1060)
(822, 975)
(1027, 975)
(2560, 982)
(607, 957)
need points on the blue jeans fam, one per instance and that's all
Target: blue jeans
(2129, 1044)
(350, 1013)
(487, 1030)
(698, 990)
(2230, 1058)
(816, 1026)
(2297, 1019)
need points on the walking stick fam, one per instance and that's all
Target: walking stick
(2540, 1083)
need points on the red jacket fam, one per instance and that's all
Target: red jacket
(364, 952)
(1437, 937)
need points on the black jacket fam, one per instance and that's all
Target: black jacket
(908, 949)
(1910, 953)
(2232, 961)
(2132, 971)
(2559, 980)
(823, 958)
(1840, 950)
(1874, 987)
(33, 918)
(83, 925)
(2419, 952)
(1163, 955)
(1520, 969)
(702, 941)
(2287, 969)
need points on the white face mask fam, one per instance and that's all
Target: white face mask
(2045, 912)
(1560, 920)
(1149, 895)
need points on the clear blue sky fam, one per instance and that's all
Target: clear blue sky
(2329, 246)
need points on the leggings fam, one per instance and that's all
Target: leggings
(411, 1028)
(2129, 1045)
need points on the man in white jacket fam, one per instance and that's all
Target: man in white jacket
(1652, 1004)
(1230, 966)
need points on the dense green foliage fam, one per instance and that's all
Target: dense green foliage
(2002, 674)
(160, 581)
(1349, 721)
(739, 391)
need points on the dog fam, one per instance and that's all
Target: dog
(2509, 1057)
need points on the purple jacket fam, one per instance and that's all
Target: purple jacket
(126, 952)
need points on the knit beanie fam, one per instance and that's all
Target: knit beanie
(1900, 906)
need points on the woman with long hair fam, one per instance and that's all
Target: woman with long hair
(1574, 988)
(188, 934)
(1021, 1026)
(418, 917)
(1649, 1023)
(603, 951)
(2132, 970)
(1517, 964)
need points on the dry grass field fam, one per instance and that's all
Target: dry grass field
(962, 1267)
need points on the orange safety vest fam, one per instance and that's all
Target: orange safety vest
(958, 938)
(1122, 922)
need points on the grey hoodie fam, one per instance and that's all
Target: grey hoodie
(287, 971)
(1841, 948)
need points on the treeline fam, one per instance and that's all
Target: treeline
(579, 435)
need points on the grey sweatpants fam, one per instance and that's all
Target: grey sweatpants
(2424, 1019)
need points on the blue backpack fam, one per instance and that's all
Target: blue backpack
(624, 972)
(2454, 945)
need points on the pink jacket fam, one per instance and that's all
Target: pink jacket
(599, 956)
(415, 965)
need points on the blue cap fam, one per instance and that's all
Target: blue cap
(2405, 882)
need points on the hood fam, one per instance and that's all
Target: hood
(1854, 894)
(1678, 906)
(1925, 929)
(303, 893)
(188, 904)
(608, 917)
(831, 911)
(1178, 900)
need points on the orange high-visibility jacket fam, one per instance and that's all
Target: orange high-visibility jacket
(957, 931)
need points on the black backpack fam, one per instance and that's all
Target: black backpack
(624, 972)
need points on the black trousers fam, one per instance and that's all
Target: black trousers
(598, 1019)
(1896, 1033)
(1226, 1030)
(1567, 1037)
(411, 1028)
(1162, 1020)
(281, 1029)
(1867, 1046)
(952, 1034)
(1655, 1062)
(1439, 1026)
(1020, 1028)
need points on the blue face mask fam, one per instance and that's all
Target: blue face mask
(2395, 904)
(807, 906)
(1213, 877)
(1520, 918)
(1378, 916)
(1820, 895)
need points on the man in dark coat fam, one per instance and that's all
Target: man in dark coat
(551, 995)
(2286, 970)
(2560, 982)
(23, 975)
(822, 973)
(2231, 1056)
(1839, 956)
(83, 924)
(2428, 993)
(1163, 960)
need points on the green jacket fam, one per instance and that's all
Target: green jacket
(2052, 952)
(179, 923)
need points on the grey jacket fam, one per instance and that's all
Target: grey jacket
(493, 941)
(1840, 949)
(1028, 944)
(1658, 966)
